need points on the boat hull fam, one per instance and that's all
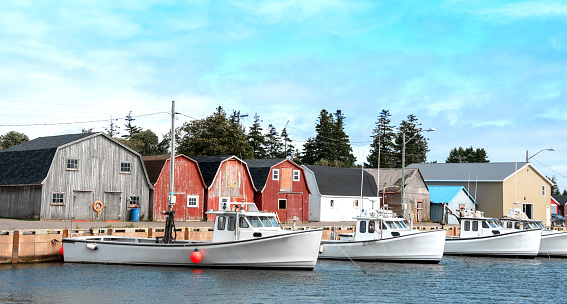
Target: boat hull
(294, 250)
(419, 247)
(553, 244)
(524, 244)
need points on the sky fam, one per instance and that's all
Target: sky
(484, 73)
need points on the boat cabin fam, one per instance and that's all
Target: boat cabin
(243, 222)
(475, 227)
(517, 225)
(376, 226)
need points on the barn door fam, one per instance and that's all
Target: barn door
(82, 208)
(285, 180)
(112, 206)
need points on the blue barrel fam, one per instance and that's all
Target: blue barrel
(135, 214)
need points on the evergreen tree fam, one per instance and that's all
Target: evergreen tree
(383, 143)
(344, 155)
(130, 128)
(554, 187)
(289, 149)
(256, 139)
(274, 147)
(416, 146)
(564, 191)
(214, 135)
(11, 139)
(112, 130)
(468, 155)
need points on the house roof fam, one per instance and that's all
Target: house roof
(445, 194)
(154, 165)
(561, 199)
(390, 180)
(29, 163)
(260, 170)
(465, 172)
(343, 181)
(209, 166)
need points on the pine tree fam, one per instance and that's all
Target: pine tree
(256, 139)
(274, 147)
(416, 145)
(130, 128)
(383, 142)
(468, 155)
(289, 149)
(344, 156)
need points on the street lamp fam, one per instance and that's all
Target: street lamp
(528, 158)
(404, 142)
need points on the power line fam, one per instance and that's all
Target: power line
(75, 122)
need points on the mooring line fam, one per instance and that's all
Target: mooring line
(351, 260)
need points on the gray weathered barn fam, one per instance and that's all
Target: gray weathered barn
(62, 177)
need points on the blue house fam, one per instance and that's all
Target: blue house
(455, 197)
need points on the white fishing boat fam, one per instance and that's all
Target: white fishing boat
(241, 239)
(482, 236)
(553, 243)
(381, 236)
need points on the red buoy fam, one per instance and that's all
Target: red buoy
(196, 256)
(61, 251)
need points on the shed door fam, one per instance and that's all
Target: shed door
(112, 206)
(82, 208)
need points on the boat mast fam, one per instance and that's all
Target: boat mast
(169, 223)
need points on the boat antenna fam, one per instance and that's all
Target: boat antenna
(169, 222)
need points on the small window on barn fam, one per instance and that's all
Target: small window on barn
(192, 201)
(275, 174)
(72, 164)
(125, 167)
(58, 199)
(282, 204)
(296, 175)
(134, 201)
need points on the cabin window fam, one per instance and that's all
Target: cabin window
(282, 204)
(221, 223)
(475, 226)
(192, 201)
(125, 167)
(485, 224)
(72, 164)
(355, 203)
(332, 203)
(266, 221)
(509, 225)
(517, 225)
(371, 226)
(543, 190)
(255, 221)
(134, 200)
(403, 224)
(384, 227)
(467, 226)
(296, 175)
(58, 199)
(231, 223)
(275, 174)
(242, 223)
(362, 228)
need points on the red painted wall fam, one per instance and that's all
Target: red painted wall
(297, 195)
(188, 182)
(231, 181)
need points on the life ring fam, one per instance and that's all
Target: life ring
(97, 206)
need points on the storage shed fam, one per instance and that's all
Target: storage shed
(67, 177)
(455, 197)
(189, 187)
(281, 188)
(227, 180)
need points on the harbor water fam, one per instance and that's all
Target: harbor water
(454, 280)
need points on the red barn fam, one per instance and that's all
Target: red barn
(227, 181)
(281, 188)
(189, 187)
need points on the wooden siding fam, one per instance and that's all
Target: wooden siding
(231, 181)
(188, 182)
(97, 178)
(20, 201)
(296, 194)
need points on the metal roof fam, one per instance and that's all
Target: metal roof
(260, 170)
(462, 172)
(445, 194)
(343, 181)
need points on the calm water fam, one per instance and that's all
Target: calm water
(454, 280)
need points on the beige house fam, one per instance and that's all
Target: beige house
(496, 186)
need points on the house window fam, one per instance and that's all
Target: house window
(134, 201)
(296, 175)
(72, 164)
(125, 167)
(332, 203)
(58, 199)
(275, 174)
(282, 204)
(543, 190)
(192, 201)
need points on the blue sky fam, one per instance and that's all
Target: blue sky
(487, 74)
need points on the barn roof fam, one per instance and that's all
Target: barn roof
(343, 181)
(260, 170)
(561, 199)
(29, 163)
(445, 194)
(209, 166)
(154, 165)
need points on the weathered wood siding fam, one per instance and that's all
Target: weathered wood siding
(417, 198)
(295, 192)
(97, 178)
(188, 182)
(20, 201)
(232, 182)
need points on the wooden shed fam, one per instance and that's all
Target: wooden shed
(454, 197)
(227, 180)
(189, 187)
(281, 188)
(62, 177)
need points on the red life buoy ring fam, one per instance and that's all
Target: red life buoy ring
(97, 206)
